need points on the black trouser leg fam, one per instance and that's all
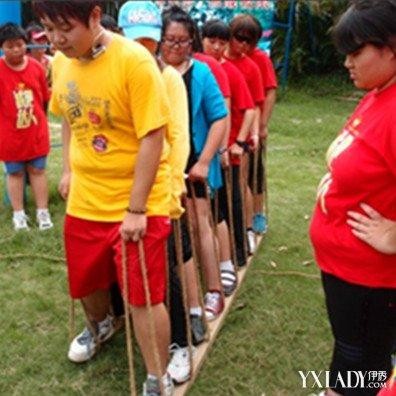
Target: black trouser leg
(363, 322)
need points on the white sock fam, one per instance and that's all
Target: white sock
(42, 211)
(226, 265)
(196, 311)
(19, 213)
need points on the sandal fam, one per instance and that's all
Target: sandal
(229, 281)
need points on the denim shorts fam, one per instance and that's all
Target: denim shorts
(15, 167)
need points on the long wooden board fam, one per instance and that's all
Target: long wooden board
(214, 327)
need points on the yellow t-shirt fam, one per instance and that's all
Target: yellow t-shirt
(177, 135)
(110, 103)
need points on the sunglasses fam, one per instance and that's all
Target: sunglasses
(243, 39)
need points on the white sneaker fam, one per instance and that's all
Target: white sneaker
(44, 220)
(251, 241)
(151, 386)
(20, 222)
(84, 346)
(179, 367)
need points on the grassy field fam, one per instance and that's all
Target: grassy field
(278, 325)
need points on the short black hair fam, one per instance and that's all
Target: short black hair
(366, 22)
(65, 9)
(216, 28)
(11, 31)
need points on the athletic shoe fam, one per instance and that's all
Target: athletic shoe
(20, 222)
(44, 220)
(251, 241)
(151, 386)
(214, 305)
(84, 346)
(197, 329)
(229, 281)
(179, 367)
(260, 224)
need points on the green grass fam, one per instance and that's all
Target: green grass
(278, 324)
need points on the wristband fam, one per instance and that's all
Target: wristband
(222, 150)
(136, 211)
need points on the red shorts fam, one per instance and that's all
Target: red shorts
(94, 260)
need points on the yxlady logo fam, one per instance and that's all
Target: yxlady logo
(351, 379)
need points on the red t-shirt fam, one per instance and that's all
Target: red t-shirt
(24, 128)
(362, 168)
(217, 71)
(252, 76)
(264, 63)
(241, 100)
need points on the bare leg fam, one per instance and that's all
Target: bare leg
(206, 246)
(15, 190)
(249, 208)
(191, 284)
(258, 203)
(97, 305)
(224, 241)
(141, 324)
(38, 182)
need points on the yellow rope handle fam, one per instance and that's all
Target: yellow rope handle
(128, 327)
(183, 281)
(153, 335)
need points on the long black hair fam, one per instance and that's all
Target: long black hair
(366, 22)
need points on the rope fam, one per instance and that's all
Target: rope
(153, 335)
(243, 186)
(72, 319)
(216, 212)
(128, 327)
(32, 256)
(195, 255)
(228, 184)
(214, 237)
(180, 264)
(288, 273)
(265, 190)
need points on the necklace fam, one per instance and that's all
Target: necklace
(98, 48)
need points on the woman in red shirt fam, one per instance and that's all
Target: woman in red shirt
(359, 281)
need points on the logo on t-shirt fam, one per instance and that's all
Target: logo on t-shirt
(24, 104)
(339, 145)
(99, 143)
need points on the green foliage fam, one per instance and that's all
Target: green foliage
(312, 48)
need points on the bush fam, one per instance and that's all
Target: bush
(312, 49)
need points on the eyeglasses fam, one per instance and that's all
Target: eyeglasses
(172, 42)
(243, 39)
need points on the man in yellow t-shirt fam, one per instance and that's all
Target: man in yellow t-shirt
(112, 100)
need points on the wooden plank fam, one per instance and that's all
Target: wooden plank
(214, 327)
